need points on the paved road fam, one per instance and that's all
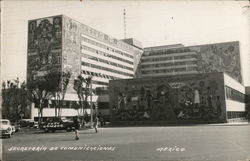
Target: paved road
(170, 143)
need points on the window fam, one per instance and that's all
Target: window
(234, 95)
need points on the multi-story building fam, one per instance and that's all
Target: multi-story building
(176, 60)
(198, 91)
(180, 84)
(62, 44)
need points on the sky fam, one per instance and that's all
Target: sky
(152, 22)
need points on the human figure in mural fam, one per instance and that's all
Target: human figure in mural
(121, 101)
(142, 92)
(209, 97)
(32, 31)
(57, 27)
(43, 41)
(148, 98)
(43, 50)
(196, 98)
(218, 105)
(146, 115)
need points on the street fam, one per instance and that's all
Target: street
(186, 143)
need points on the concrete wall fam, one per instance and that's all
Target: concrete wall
(232, 105)
(50, 112)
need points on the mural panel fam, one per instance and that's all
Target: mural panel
(199, 97)
(222, 57)
(44, 47)
(71, 50)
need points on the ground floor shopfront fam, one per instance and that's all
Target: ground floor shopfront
(196, 98)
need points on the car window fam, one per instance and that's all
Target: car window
(4, 122)
(57, 120)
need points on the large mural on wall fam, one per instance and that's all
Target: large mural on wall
(71, 50)
(222, 57)
(198, 97)
(44, 47)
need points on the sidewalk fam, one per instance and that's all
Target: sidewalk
(244, 123)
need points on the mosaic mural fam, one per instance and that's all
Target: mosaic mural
(44, 47)
(191, 97)
(222, 57)
(71, 50)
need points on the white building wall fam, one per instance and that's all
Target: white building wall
(50, 112)
(230, 82)
(232, 105)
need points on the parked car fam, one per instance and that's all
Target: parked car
(36, 125)
(26, 123)
(16, 127)
(6, 128)
(57, 123)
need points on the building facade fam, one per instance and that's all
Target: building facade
(62, 44)
(176, 60)
(190, 98)
(173, 83)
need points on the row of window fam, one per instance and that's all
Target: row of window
(168, 64)
(157, 59)
(99, 75)
(106, 69)
(102, 90)
(107, 47)
(170, 51)
(168, 58)
(185, 57)
(74, 104)
(170, 70)
(105, 54)
(234, 95)
(107, 62)
(235, 114)
(100, 83)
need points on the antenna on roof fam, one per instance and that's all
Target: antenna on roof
(124, 21)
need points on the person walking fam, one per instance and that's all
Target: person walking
(248, 117)
(76, 125)
(96, 123)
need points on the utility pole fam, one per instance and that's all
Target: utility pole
(124, 22)
(91, 106)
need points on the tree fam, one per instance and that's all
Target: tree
(52, 85)
(61, 80)
(40, 92)
(82, 87)
(14, 99)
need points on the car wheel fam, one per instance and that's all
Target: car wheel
(68, 129)
(46, 130)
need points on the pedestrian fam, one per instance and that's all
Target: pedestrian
(101, 119)
(96, 123)
(248, 117)
(76, 125)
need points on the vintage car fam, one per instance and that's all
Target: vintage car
(36, 125)
(57, 123)
(6, 128)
